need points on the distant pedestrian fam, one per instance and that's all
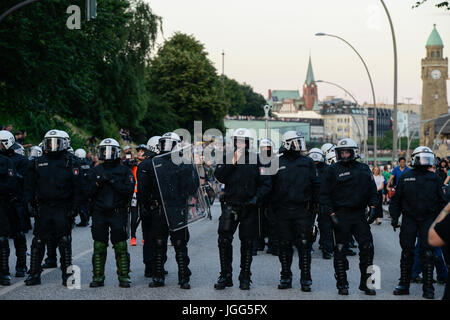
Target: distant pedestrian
(379, 181)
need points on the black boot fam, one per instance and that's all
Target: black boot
(428, 268)
(272, 247)
(148, 273)
(98, 264)
(246, 262)
(182, 258)
(65, 250)
(50, 261)
(158, 263)
(37, 253)
(406, 262)
(305, 267)
(5, 278)
(366, 253)
(285, 253)
(340, 267)
(363, 282)
(225, 255)
(20, 243)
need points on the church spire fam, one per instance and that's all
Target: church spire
(310, 74)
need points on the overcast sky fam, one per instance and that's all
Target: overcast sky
(267, 43)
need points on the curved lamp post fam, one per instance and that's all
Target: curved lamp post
(357, 125)
(16, 7)
(373, 93)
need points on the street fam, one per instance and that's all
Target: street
(204, 265)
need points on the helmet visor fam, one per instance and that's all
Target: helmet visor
(345, 154)
(53, 144)
(107, 152)
(35, 153)
(167, 145)
(424, 159)
(297, 144)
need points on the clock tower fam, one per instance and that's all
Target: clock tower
(434, 90)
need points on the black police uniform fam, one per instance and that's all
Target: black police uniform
(9, 190)
(325, 227)
(110, 188)
(243, 183)
(53, 184)
(83, 208)
(419, 198)
(17, 214)
(149, 243)
(347, 188)
(154, 219)
(295, 188)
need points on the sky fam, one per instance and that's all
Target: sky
(267, 43)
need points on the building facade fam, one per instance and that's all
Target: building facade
(434, 88)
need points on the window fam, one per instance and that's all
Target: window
(438, 54)
(432, 53)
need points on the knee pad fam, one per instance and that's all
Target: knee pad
(367, 248)
(224, 241)
(428, 255)
(3, 241)
(179, 244)
(339, 248)
(159, 243)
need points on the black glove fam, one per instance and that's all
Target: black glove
(253, 201)
(371, 216)
(395, 224)
(144, 212)
(106, 177)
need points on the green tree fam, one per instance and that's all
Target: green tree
(185, 79)
(439, 4)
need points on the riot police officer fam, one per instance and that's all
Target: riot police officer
(325, 228)
(52, 186)
(245, 188)
(16, 208)
(85, 165)
(419, 199)
(149, 245)
(266, 214)
(347, 189)
(9, 190)
(110, 186)
(295, 188)
(149, 197)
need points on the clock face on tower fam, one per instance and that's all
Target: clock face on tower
(435, 74)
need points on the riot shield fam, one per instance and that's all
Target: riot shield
(179, 186)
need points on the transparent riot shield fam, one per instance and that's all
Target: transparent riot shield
(182, 197)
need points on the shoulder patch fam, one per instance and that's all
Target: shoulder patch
(11, 172)
(75, 171)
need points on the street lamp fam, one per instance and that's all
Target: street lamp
(395, 128)
(373, 93)
(16, 7)
(266, 111)
(364, 123)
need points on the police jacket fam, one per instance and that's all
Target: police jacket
(418, 195)
(347, 186)
(243, 180)
(321, 167)
(148, 189)
(110, 185)
(296, 183)
(9, 188)
(53, 178)
(175, 182)
(21, 164)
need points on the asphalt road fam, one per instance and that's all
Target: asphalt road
(204, 257)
